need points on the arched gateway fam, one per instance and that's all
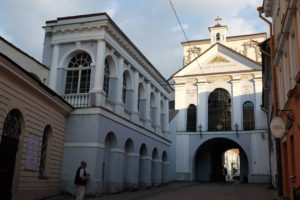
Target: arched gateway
(209, 160)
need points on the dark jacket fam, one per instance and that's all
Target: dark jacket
(78, 180)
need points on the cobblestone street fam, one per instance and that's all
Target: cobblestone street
(191, 191)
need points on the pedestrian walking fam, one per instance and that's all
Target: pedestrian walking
(224, 174)
(81, 179)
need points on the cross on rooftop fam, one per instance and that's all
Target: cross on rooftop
(218, 20)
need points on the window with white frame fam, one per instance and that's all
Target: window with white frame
(106, 78)
(78, 74)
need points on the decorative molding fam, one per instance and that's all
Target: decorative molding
(84, 144)
(218, 59)
(116, 150)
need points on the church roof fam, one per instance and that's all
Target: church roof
(220, 44)
(228, 38)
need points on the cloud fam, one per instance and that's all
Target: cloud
(151, 25)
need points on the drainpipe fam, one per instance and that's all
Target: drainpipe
(275, 106)
(260, 9)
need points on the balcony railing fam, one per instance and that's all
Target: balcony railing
(77, 100)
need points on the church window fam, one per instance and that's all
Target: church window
(106, 78)
(218, 36)
(78, 74)
(248, 115)
(219, 110)
(124, 89)
(43, 158)
(191, 118)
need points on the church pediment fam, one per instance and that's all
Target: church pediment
(218, 59)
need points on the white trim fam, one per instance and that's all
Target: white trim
(157, 160)
(133, 155)
(121, 121)
(90, 145)
(146, 158)
(117, 150)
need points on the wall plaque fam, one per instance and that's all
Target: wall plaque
(32, 153)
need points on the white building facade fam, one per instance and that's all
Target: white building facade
(120, 124)
(218, 94)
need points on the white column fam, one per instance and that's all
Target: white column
(147, 114)
(99, 95)
(53, 69)
(202, 107)
(165, 172)
(180, 101)
(157, 114)
(236, 113)
(166, 128)
(156, 168)
(134, 111)
(119, 106)
(259, 116)
(145, 171)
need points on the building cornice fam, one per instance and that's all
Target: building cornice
(99, 21)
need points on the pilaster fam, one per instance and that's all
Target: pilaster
(202, 105)
(134, 112)
(157, 113)
(156, 172)
(236, 113)
(119, 105)
(258, 114)
(147, 114)
(53, 69)
(97, 93)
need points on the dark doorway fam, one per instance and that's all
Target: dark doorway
(209, 160)
(8, 149)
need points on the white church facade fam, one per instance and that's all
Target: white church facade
(218, 94)
(120, 121)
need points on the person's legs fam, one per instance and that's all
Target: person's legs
(80, 192)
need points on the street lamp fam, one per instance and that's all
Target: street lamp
(200, 129)
(236, 126)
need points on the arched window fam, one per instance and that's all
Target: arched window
(191, 118)
(124, 89)
(106, 78)
(78, 74)
(219, 110)
(43, 159)
(218, 36)
(248, 115)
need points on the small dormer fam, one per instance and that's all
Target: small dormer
(218, 32)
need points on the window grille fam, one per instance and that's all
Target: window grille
(248, 115)
(106, 78)
(44, 152)
(12, 125)
(124, 89)
(219, 111)
(78, 74)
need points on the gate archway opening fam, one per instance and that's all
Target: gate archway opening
(209, 160)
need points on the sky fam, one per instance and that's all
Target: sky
(150, 24)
